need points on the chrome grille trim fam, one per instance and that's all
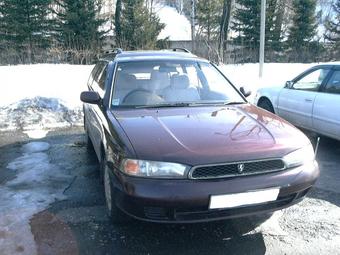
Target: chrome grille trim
(192, 170)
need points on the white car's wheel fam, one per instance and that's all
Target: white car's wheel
(267, 105)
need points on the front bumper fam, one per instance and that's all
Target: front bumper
(186, 201)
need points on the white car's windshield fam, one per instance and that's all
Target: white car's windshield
(170, 83)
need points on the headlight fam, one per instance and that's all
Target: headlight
(300, 156)
(153, 169)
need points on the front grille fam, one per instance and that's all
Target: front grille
(237, 169)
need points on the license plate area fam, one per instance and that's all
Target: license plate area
(243, 199)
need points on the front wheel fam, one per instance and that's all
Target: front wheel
(267, 105)
(114, 213)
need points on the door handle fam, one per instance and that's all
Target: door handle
(308, 100)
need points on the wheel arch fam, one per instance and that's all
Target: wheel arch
(265, 98)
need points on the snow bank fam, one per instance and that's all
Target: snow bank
(41, 96)
(39, 113)
(177, 26)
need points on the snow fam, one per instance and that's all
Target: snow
(44, 80)
(37, 184)
(177, 26)
(36, 134)
(42, 96)
(39, 113)
(36, 98)
(274, 75)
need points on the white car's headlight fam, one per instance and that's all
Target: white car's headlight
(300, 157)
(153, 169)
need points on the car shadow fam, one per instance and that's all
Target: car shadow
(99, 236)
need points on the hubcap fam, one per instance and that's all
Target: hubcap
(107, 187)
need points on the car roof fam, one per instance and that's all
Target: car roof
(127, 56)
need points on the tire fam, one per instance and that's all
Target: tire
(113, 212)
(267, 105)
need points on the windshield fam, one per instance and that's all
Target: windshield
(177, 83)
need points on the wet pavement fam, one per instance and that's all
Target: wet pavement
(51, 202)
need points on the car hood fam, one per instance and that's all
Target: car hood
(206, 135)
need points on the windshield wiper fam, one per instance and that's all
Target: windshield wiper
(182, 104)
(233, 103)
(165, 105)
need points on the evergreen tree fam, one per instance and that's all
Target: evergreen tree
(303, 29)
(247, 21)
(209, 17)
(78, 27)
(25, 26)
(332, 33)
(139, 27)
(276, 35)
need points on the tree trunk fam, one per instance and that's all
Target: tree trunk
(228, 6)
(117, 22)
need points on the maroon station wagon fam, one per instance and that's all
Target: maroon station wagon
(177, 142)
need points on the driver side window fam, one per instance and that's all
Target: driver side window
(312, 81)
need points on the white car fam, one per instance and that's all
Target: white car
(310, 101)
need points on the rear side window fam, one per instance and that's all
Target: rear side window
(93, 74)
(99, 78)
(333, 85)
(102, 78)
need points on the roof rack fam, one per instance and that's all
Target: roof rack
(112, 53)
(180, 49)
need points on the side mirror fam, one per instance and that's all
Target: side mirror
(90, 97)
(289, 84)
(245, 92)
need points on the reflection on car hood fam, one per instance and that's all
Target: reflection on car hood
(205, 135)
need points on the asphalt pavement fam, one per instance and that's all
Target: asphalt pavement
(52, 202)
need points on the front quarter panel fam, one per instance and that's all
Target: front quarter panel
(117, 144)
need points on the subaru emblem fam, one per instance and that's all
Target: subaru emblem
(240, 168)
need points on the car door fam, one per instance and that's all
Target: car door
(326, 112)
(95, 111)
(295, 102)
